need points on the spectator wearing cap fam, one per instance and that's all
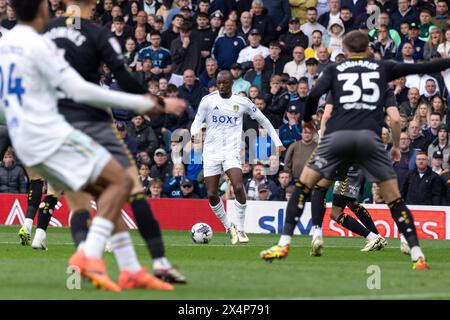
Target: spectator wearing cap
(311, 71)
(292, 87)
(258, 178)
(216, 20)
(332, 14)
(440, 144)
(263, 22)
(172, 187)
(275, 61)
(425, 24)
(162, 168)
(248, 53)
(431, 133)
(191, 90)
(227, 47)
(383, 47)
(160, 57)
(257, 76)
(298, 153)
(245, 25)
(441, 17)
(144, 135)
(291, 131)
(323, 57)
(297, 67)
(130, 142)
(173, 32)
(413, 39)
(158, 23)
(149, 6)
(337, 55)
(404, 13)
(280, 12)
(407, 158)
(294, 37)
(437, 161)
(205, 34)
(239, 84)
(422, 186)
(210, 73)
(311, 25)
(174, 11)
(185, 53)
(187, 189)
(335, 35)
(264, 193)
(277, 101)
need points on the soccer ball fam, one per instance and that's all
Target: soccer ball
(201, 233)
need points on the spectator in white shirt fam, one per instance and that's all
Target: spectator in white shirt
(248, 53)
(297, 67)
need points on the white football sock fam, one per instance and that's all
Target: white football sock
(28, 223)
(124, 252)
(161, 263)
(317, 232)
(403, 239)
(240, 214)
(40, 234)
(416, 253)
(99, 232)
(285, 240)
(219, 210)
(371, 236)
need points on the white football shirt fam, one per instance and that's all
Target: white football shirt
(224, 118)
(30, 68)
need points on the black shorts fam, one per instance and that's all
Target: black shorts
(105, 133)
(350, 186)
(341, 149)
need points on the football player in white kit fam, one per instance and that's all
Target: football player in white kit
(223, 113)
(31, 70)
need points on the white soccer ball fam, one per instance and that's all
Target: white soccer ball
(201, 233)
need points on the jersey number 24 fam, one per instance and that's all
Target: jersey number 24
(10, 85)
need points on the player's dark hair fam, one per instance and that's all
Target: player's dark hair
(356, 41)
(26, 10)
(155, 33)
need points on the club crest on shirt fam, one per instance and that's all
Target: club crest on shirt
(235, 108)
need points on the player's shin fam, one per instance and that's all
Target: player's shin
(219, 210)
(240, 214)
(294, 210)
(149, 229)
(34, 198)
(318, 209)
(364, 216)
(124, 252)
(405, 223)
(45, 211)
(79, 226)
(351, 224)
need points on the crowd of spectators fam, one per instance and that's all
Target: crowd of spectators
(275, 50)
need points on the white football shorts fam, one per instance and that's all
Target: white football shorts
(78, 162)
(216, 167)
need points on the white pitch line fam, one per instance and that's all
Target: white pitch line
(208, 245)
(371, 297)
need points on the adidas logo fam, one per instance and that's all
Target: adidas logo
(216, 108)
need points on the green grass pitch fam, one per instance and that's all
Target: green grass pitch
(221, 271)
